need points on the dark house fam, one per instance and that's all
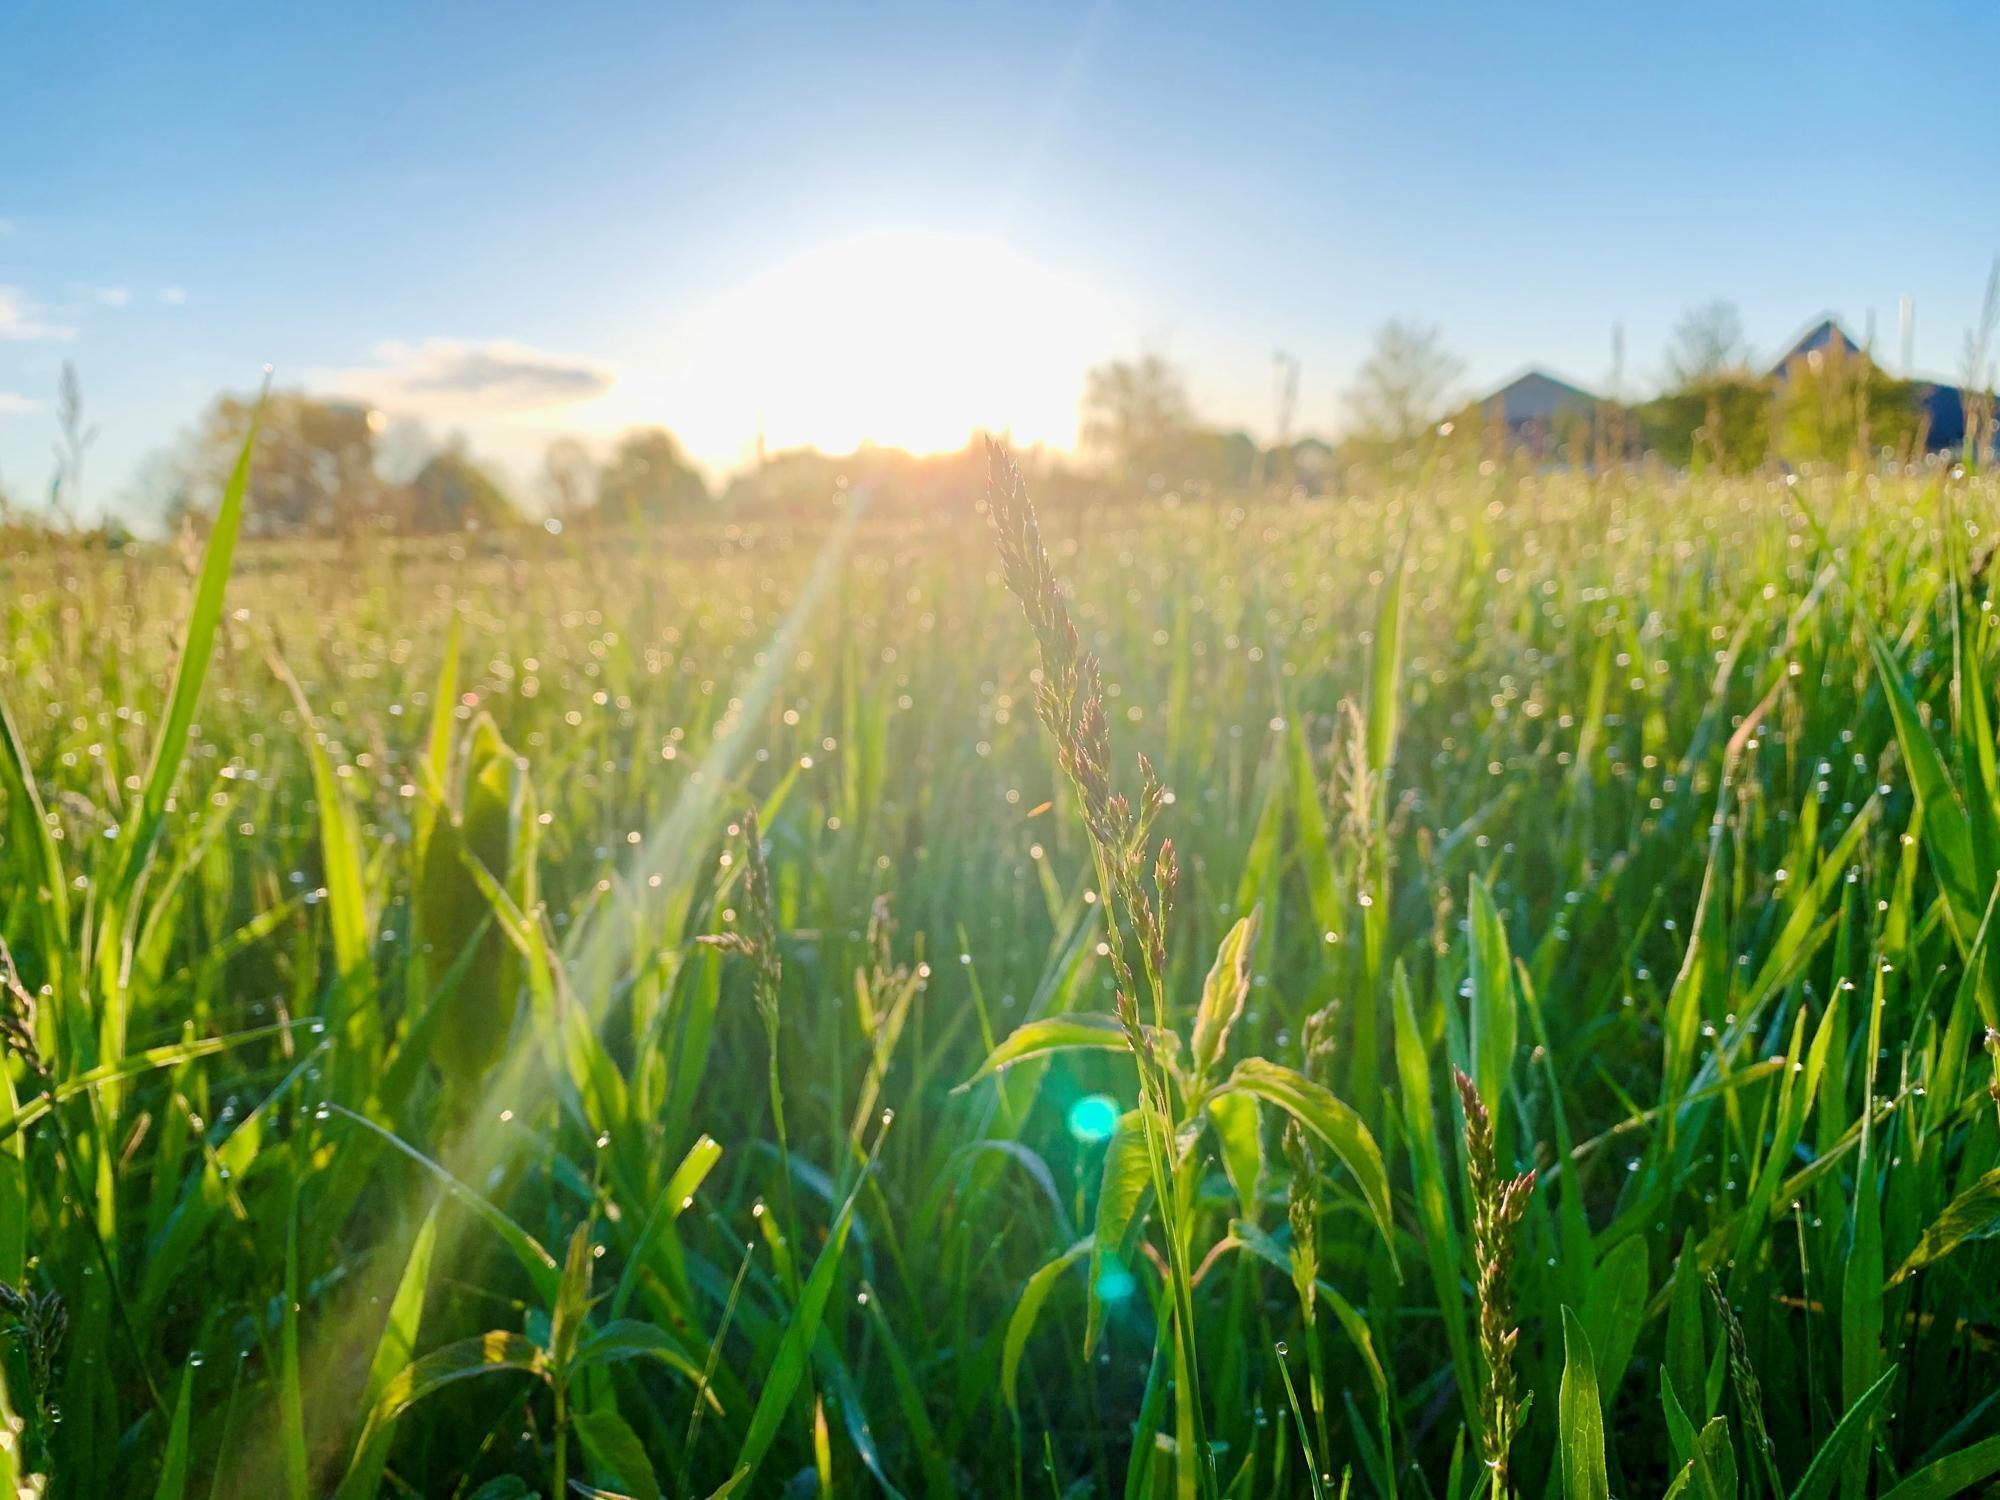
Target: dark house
(1537, 410)
(1825, 336)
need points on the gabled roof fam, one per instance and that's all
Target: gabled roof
(1824, 334)
(1536, 396)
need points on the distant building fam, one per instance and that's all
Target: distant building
(1825, 336)
(1536, 397)
(1537, 410)
(1944, 415)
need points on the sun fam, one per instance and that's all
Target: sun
(907, 339)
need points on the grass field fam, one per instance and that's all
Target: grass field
(425, 1078)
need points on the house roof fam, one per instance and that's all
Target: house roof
(1536, 396)
(1826, 333)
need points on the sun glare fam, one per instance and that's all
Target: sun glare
(911, 340)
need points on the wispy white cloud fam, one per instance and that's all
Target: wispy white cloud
(21, 318)
(12, 405)
(173, 296)
(111, 296)
(447, 378)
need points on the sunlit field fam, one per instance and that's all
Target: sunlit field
(699, 1011)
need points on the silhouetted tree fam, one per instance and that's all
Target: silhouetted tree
(315, 469)
(452, 493)
(569, 477)
(1404, 386)
(648, 479)
(1135, 419)
(1707, 345)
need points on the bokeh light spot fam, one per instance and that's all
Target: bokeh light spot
(1116, 1284)
(1093, 1118)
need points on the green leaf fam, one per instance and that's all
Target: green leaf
(1315, 1107)
(397, 1347)
(689, 1175)
(537, 1262)
(1127, 1177)
(1969, 1214)
(1583, 1470)
(197, 645)
(1052, 1034)
(572, 1301)
(1851, 1431)
(1022, 1322)
(436, 760)
(625, 1338)
(1613, 1311)
(174, 1464)
(840, 1388)
(31, 827)
(505, 1487)
(1715, 1461)
(1861, 1311)
(617, 1457)
(1495, 1018)
(1947, 832)
(917, 1422)
(1238, 1129)
(151, 1060)
(788, 1365)
(1709, 1451)
(291, 1396)
(1431, 1187)
(1687, 1355)
(494, 1353)
(1385, 670)
(1223, 996)
(340, 850)
(1954, 1474)
(492, 834)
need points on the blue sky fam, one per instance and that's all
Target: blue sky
(831, 220)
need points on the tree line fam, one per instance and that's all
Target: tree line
(330, 467)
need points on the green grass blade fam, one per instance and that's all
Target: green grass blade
(1316, 1108)
(1848, 1437)
(174, 1464)
(788, 1365)
(1954, 1474)
(1582, 1439)
(1021, 1323)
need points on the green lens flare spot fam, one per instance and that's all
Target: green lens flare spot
(1093, 1118)
(1116, 1284)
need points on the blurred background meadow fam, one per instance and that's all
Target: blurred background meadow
(1006, 751)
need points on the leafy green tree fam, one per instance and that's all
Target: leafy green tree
(1838, 407)
(1720, 422)
(568, 479)
(648, 479)
(1707, 345)
(1402, 389)
(453, 493)
(315, 471)
(1135, 420)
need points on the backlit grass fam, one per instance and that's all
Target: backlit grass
(727, 1008)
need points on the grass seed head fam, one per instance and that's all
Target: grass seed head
(1497, 1209)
